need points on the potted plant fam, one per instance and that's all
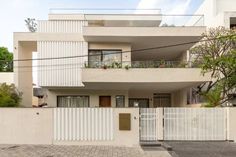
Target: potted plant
(162, 64)
(104, 67)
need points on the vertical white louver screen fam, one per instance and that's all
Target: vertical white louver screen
(83, 124)
(60, 26)
(61, 72)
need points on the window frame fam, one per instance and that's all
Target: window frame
(101, 53)
(123, 101)
(73, 96)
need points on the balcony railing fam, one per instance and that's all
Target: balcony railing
(140, 64)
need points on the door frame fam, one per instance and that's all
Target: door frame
(104, 96)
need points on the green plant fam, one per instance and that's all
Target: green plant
(6, 57)
(9, 95)
(162, 64)
(216, 58)
(127, 67)
(213, 97)
(182, 65)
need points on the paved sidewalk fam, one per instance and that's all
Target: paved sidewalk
(204, 149)
(72, 151)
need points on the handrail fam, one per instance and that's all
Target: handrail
(140, 64)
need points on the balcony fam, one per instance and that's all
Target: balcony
(142, 74)
(139, 64)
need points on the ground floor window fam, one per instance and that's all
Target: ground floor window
(193, 97)
(120, 101)
(139, 102)
(73, 101)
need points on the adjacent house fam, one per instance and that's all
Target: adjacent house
(111, 59)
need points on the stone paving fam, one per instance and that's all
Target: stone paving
(70, 151)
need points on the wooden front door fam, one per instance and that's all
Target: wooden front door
(104, 101)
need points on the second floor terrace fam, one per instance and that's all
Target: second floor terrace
(71, 19)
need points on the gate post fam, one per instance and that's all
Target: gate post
(160, 125)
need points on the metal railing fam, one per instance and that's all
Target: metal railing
(166, 20)
(111, 11)
(140, 64)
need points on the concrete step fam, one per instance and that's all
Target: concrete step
(150, 143)
(166, 146)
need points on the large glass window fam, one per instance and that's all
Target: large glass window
(73, 101)
(120, 101)
(98, 58)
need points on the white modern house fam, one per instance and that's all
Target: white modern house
(111, 59)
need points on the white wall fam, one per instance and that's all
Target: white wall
(26, 126)
(7, 77)
(215, 12)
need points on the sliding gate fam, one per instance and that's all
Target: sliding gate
(195, 124)
(186, 124)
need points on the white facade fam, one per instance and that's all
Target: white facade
(218, 12)
(68, 69)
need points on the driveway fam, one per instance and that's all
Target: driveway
(75, 151)
(204, 149)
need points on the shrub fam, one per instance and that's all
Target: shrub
(9, 95)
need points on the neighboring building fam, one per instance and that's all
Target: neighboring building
(110, 69)
(6, 77)
(218, 13)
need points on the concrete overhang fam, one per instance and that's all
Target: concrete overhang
(126, 34)
(148, 37)
(27, 36)
(161, 78)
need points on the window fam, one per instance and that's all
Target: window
(73, 101)
(193, 97)
(120, 101)
(97, 58)
(139, 102)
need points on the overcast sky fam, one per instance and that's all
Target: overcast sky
(13, 12)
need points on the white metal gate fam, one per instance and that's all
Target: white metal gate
(148, 124)
(203, 124)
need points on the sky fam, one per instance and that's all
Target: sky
(13, 12)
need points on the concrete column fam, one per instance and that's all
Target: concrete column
(23, 70)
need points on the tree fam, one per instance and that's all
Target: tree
(217, 55)
(6, 60)
(31, 24)
(9, 95)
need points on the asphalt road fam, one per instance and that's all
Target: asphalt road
(204, 149)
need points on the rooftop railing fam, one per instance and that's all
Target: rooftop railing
(103, 11)
(166, 20)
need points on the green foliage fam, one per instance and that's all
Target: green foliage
(9, 95)
(5, 60)
(213, 97)
(217, 56)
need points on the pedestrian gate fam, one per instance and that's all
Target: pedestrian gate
(148, 124)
